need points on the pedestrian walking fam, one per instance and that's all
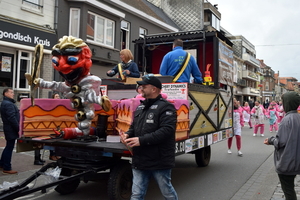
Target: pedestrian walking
(10, 117)
(266, 104)
(258, 113)
(238, 123)
(286, 144)
(251, 104)
(247, 114)
(272, 115)
(152, 139)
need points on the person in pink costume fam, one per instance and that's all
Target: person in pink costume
(272, 115)
(258, 113)
(238, 123)
(247, 113)
(240, 108)
(280, 112)
(237, 103)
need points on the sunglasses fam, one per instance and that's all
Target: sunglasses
(148, 76)
(67, 52)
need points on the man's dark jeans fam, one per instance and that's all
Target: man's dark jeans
(5, 161)
(288, 186)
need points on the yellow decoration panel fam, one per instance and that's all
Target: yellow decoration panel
(222, 108)
(201, 126)
(204, 99)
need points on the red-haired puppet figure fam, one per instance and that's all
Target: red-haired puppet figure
(71, 57)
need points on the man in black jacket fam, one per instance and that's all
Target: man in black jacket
(152, 138)
(10, 117)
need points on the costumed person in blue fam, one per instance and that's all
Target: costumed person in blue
(272, 115)
(173, 64)
(127, 68)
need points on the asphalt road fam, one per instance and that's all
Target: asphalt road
(224, 178)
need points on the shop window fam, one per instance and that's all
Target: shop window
(74, 23)
(23, 66)
(6, 64)
(100, 30)
(267, 86)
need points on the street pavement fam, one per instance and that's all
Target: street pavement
(262, 184)
(22, 163)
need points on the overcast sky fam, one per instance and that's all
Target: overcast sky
(273, 26)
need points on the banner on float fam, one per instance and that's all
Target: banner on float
(175, 90)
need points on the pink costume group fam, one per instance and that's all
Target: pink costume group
(274, 113)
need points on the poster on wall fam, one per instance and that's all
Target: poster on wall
(6, 64)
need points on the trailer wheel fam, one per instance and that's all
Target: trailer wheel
(68, 187)
(120, 182)
(202, 156)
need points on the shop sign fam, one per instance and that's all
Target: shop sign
(27, 36)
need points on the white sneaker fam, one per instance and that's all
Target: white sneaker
(276, 131)
(240, 153)
(270, 131)
(254, 135)
(229, 151)
(262, 135)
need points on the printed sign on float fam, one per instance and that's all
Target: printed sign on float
(175, 90)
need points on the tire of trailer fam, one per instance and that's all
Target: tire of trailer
(120, 182)
(202, 156)
(68, 187)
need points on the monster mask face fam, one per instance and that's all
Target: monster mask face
(72, 59)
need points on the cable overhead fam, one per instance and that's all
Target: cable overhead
(276, 45)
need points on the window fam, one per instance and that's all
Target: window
(33, 5)
(143, 32)
(125, 26)
(215, 22)
(267, 86)
(74, 22)
(100, 29)
(23, 66)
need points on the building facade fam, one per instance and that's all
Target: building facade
(249, 75)
(18, 39)
(109, 26)
(267, 83)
